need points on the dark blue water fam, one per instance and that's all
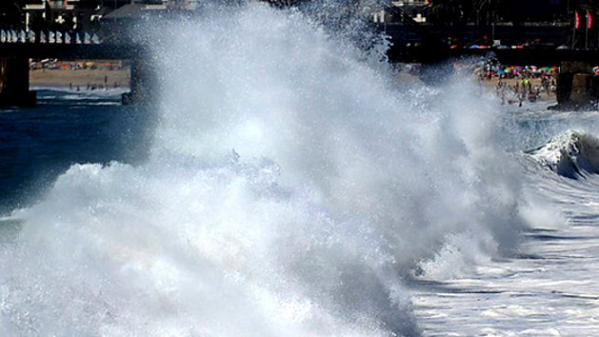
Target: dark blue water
(38, 144)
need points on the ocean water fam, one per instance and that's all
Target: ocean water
(283, 182)
(38, 144)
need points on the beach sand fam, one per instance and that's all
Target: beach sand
(84, 78)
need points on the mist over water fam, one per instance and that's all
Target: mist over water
(294, 188)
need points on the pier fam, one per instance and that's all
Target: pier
(15, 56)
(577, 87)
(573, 48)
(72, 31)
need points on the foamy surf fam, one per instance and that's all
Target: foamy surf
(293, 190)
(548, 288)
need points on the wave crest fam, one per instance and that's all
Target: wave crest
(572, 154)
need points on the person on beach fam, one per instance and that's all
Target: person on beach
(525, 85)
(545, 84)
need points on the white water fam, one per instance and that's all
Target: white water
(572, 154)
(549, 288)
(294, 189)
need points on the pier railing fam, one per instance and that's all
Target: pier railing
(48, 37)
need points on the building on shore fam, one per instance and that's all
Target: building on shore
(75, 15)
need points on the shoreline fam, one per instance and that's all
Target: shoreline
(118, 80)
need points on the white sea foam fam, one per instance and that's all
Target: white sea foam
(291, 190)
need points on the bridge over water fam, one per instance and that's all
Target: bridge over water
(576, 84)
(16, 48)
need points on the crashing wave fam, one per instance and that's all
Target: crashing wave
(339, 187)
(572, 154)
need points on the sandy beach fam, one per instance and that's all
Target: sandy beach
(83, 78)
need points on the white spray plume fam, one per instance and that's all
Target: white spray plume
(291, 191)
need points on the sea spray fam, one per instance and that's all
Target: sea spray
(292, 190)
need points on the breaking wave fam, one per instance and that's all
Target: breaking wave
(294, 189)
(572, 154)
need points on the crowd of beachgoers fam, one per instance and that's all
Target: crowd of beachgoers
(518, 91)
(490, 70)
(516, 84)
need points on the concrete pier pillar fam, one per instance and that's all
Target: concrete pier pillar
(564, 87)
(576, 86)
(581, 89)
(143, 84)
(14, 82)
